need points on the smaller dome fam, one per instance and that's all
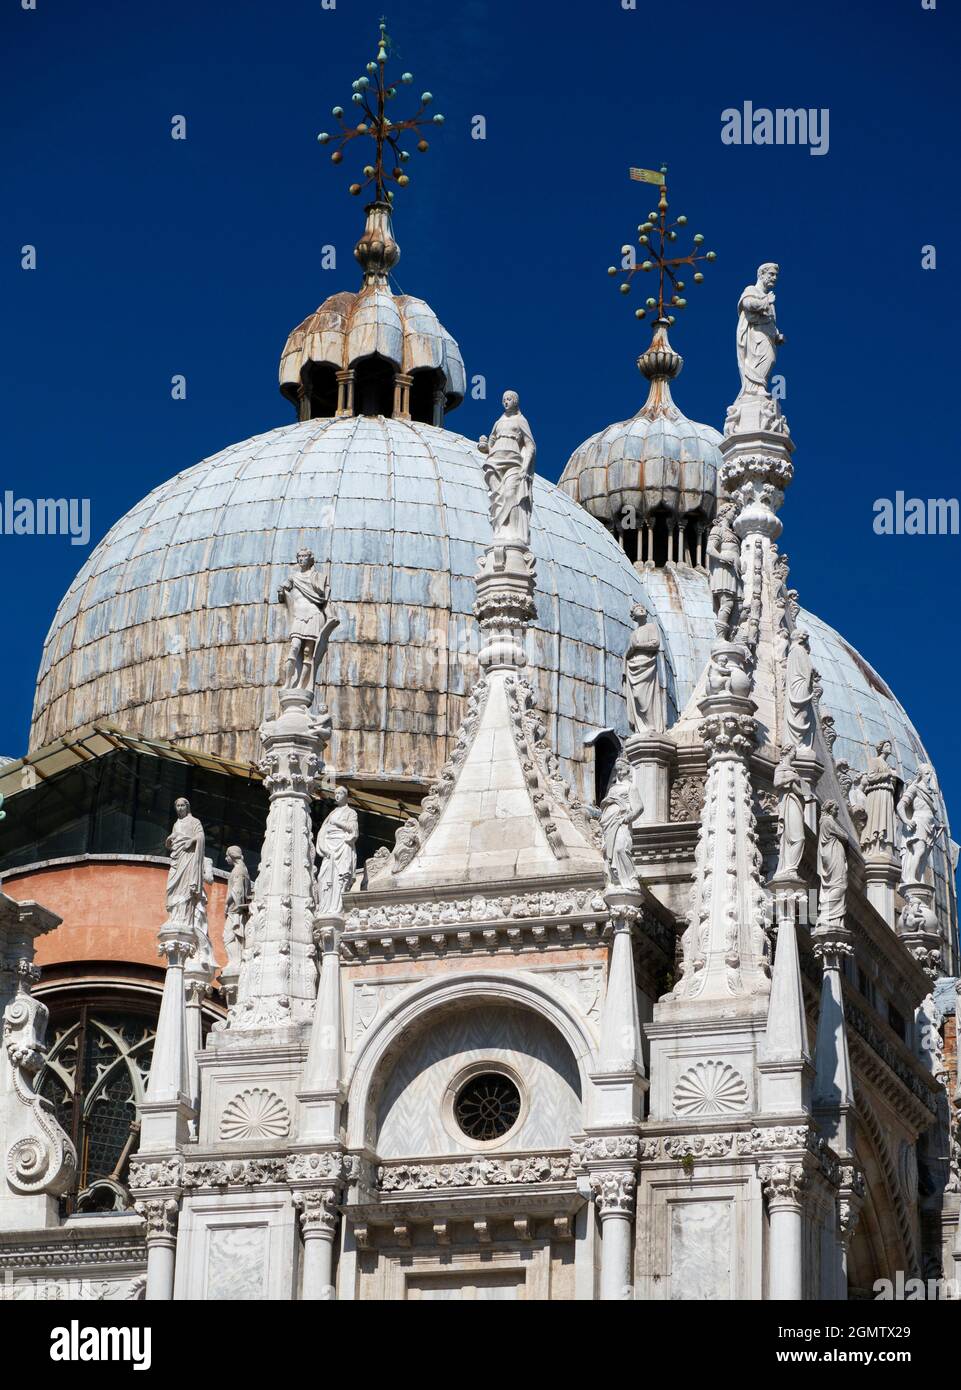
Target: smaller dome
(651, 480)
(373, 352)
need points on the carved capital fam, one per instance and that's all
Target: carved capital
(728, 736)
(783, 1184)
(160, 1216)
(614, 1192)
(317, 1208)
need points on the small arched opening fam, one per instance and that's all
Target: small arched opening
(426, 396)
(374, 386)
(319, 382)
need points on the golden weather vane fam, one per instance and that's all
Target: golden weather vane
(371, 94)
(655, 236)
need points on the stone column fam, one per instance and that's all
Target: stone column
(278, 972)
(318, 1224)
(833, 1099)
(160, 1215)
(402, 385)
(783, 1183)
(850, 1201)
(345, 392)
(614, 1193)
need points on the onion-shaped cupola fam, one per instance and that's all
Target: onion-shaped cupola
(373, 352)
(652, 480)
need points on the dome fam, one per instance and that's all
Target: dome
(373, 352)
(170, 629)
(651, 480)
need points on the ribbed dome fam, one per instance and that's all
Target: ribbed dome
(348, 327)
(171, 629)
(658, 467)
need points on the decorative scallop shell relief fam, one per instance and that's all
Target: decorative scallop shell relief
(255, 1114)
(710, 1088)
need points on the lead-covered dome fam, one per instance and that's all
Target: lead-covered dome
(651, 480)
(171, 630)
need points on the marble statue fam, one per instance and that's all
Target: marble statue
(620, 811)
(879, 784)
(306, 600)
(509, 453)
(185, 881)
(799, 689)
(789, 787)
(832, 867)
(645, 695)
(237, 907)
(757, 332)
(726, 674)
(920, 819)
(337, 855)
(724, 568)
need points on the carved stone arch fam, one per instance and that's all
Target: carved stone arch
(899, 1228)
(388, 1036)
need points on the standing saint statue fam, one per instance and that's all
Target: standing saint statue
(757, 333)
(919, 814)
(509, 452)
(237, 908)
(337, 855)
(799, 689)
(185, 881)
(306, 600)
(790, 815)
(832, 867)
(620, 810)
(643, 690)
(724, 568)
(878, 785)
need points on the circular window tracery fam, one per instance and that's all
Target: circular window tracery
(487, 1106)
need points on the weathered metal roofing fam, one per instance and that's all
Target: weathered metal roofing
(348, 327)
(170, 630)
(645, 463)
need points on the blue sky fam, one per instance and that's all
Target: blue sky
(159, 257)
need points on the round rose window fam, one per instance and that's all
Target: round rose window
(487, 1106)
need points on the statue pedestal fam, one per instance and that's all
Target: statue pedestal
(651, 757)
(918, 927)
(504, 604)
(881, 874)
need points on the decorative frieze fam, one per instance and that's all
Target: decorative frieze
(475, 1172)
(151, 1175)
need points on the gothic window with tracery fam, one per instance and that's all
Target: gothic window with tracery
(95, 1074)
